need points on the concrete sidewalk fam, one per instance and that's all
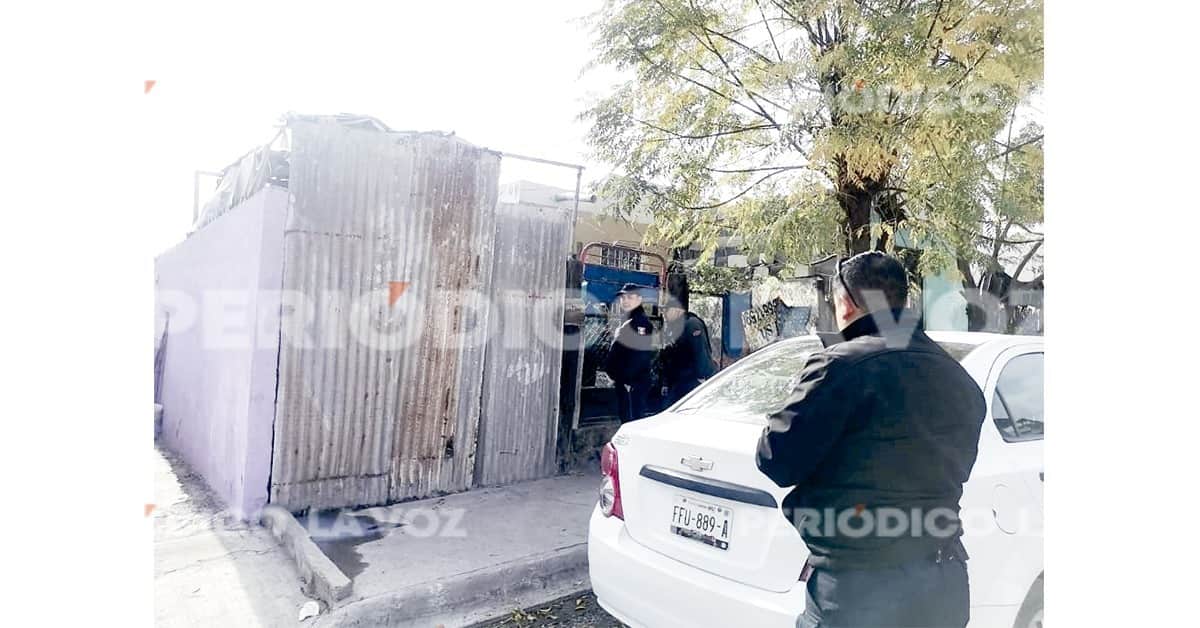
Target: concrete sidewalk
(451, 561)
(462, 558)
(210, 570)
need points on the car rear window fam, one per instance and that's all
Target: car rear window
(756, 385)
(760, 383)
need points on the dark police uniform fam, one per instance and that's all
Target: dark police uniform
(629, 362)
(877, 424)
(687, 356)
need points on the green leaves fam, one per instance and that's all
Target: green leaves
(791, 123)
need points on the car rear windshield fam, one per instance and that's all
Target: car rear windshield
(760, 383)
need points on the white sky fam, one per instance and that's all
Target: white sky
(501, 75)
(505, 75)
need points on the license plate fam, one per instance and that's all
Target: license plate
(701, 521)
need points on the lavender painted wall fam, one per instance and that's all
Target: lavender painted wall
(218, 291)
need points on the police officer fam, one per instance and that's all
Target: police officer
(877, 439)
(687, 355)
(631, 354)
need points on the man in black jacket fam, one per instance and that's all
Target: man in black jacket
(631, 355)
(687, 354)
(878, 437)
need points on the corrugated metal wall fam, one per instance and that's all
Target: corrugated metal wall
(365, 423)
(518, 435)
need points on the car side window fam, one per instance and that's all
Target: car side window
(1017, 405)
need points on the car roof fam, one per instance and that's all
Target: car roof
(976, 338)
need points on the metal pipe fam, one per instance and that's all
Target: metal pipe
(581, 347)
(575, 211)
(542, 161)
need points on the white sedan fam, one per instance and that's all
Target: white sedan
(733, 559)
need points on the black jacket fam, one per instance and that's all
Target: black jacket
(632, 350)
(687, 355)
(872, 424)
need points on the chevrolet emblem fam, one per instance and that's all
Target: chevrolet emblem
(696, 463)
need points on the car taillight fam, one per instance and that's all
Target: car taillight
(610, 488)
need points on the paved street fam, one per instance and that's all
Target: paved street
(209, 571)
(574, 611)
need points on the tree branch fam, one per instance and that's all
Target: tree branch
(1025, 260)
(642, 53)
(1028, 230)
(933, 22)
(1012, 120)
(749, 92)
(965, 15)
(683, 136)
(1004, 241)
(722, 203)
(708, 30)
(712, 47)
(767, 25)
(1012, 148)
(786, 12)
(734, 31)
(964, 267)
(738, 43)
(763, 169)
(774, 44)
(957, 82)
(941, 162)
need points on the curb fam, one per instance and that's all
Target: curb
(321, 577)
(471, 597)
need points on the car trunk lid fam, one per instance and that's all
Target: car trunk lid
(692, 491)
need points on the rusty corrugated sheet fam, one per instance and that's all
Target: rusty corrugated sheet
(377, 217)
(517, 439)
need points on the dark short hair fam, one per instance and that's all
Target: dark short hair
(875, 273)
(677, 291)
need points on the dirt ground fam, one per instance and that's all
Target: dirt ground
(576, 611)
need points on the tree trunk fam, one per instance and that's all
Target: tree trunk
(856, 224)
(855, 199)
(964, 267)
(857, 196)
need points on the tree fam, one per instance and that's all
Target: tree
(1010, 240)
(792, 123)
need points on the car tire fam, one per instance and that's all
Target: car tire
(1030, 615)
